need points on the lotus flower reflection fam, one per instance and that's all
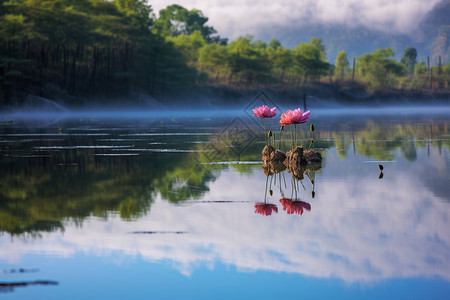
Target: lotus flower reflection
(265, 209)
(294, 207)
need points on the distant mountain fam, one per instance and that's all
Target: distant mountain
(432, 38)
(437, 27)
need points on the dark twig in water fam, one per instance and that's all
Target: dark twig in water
(6, 287)
(12, 271)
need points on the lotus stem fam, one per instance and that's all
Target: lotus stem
(270, 185)
(265, 130)
(292, 187)
(265, 194)
(292, 137)
(279, 179)
(303, 185)
(279, 143)
(312, 141)
(295, 134)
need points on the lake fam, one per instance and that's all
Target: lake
(177, 205)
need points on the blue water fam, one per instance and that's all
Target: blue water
(165, 207)
(118, 277)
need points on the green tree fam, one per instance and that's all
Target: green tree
(379, 69)
(420, 69)
(342, 65)
(213, 55)
(189, 45)
(15, 28)
(138, 7)
(409, 59)
(274, 44)
(310, 59)
(317, 42)
(281, 61)
(246, 62)
(446, 69)
(175, 20)
(261, 45)
(213, 58)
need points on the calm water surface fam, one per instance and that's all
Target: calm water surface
(178, 206)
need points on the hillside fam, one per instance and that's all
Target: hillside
(101, 51)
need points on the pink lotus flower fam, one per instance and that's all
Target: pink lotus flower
(265, 209)
(294, 117)
(285, 120)
(294, 207)
(264, 111)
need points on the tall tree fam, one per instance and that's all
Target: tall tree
(409, 59)
(175, 20)
(342, 65)
(189, 45)
(274, 44)
(317, 42)
(310, 59)
(281, 60)
(246, 62)
(380, 69)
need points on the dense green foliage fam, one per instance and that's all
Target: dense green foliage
(420, 69)
(86, 47)
(380, 69)
(105, 49)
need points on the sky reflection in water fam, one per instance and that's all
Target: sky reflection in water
(199, 224)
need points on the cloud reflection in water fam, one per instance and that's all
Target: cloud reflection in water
(361, 228)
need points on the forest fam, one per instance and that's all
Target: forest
(77, 51)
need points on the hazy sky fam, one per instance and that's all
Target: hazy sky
(233, 18)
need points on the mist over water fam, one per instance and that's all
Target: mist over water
(39, 108)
